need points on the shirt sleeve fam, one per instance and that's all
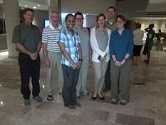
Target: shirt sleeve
(77, 39)
(39, 35)
(44, 35)
(16, 35)
(131, 44)
(62, 38)
(111, 45)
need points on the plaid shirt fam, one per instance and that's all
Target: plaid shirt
(71, 45)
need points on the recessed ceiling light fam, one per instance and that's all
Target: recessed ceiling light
(34, 7)
(1, 103)
(38, 5)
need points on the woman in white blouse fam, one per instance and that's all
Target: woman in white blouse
(99, 40)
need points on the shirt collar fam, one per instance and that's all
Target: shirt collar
(53, 28)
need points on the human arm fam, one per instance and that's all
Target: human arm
(93, 43)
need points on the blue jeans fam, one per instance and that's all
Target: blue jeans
(69, 87)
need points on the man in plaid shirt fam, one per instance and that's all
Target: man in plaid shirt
(71, 61)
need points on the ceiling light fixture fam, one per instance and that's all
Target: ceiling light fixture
(34, 7)
(38, 5)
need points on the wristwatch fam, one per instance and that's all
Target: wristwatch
(80, 60)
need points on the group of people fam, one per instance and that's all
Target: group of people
(68, 51)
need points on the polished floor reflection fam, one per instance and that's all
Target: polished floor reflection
(147, 105)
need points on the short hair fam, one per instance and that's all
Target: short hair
(68, 15)
(100, 15)
(151, 25)
(27, 9)
(78, 13)
(121, 17)
(53, 11)
(112, 7)
(138, 25)
(23, 12)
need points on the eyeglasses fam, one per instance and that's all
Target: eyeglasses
(79, 18)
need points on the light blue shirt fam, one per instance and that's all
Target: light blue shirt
(70, 41)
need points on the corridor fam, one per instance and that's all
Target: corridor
(147, 104)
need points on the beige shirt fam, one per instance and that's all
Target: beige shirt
(138, 37)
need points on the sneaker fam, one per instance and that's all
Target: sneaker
(78, 104)
(114, 101)
(27, 102)
(72, 107)
(123, 102)
(50, 98)
(38, 99)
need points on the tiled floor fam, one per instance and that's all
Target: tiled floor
(147, 105)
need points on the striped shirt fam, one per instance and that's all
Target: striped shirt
(51, 36)
(71, 46)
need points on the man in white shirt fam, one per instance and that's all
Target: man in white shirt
(138, 42)
(52, 55)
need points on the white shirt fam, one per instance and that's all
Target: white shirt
(51, 36)
(96, 52)
(138, 37)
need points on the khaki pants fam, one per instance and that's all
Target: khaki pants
(83, 78)
(120, 78)
(100, 70)
(55, 76)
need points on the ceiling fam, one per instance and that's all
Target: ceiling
(157, 1)
(129, 6)
(35, 4)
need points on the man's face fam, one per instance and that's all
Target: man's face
(110, 13)
(55, 18)
(28, 16)
(120, 23)
(70, 22)
(79, 20)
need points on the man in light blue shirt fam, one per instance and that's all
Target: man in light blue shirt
(71, 62)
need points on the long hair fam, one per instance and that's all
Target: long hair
(97, 18)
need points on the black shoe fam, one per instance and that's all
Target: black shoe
(114, 101)
(93, 97)
(38, 99)
(27, 102)
(78, 104)
(50, 98)
(71, 107)
(102, 98)
(123, 102)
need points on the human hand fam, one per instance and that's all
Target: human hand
(74, 66)
(33, 56)
(117, 63)
(79, 65)
(123, 62)
(114, 58)
(47, 62)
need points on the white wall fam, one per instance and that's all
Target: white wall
(85, 6)
(160, 23)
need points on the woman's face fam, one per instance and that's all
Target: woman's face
(120, 23)
(101, 21)
(79, 20)
(70, 22)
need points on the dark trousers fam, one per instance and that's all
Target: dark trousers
(107, 81)
(70, 76)
(29, 69)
